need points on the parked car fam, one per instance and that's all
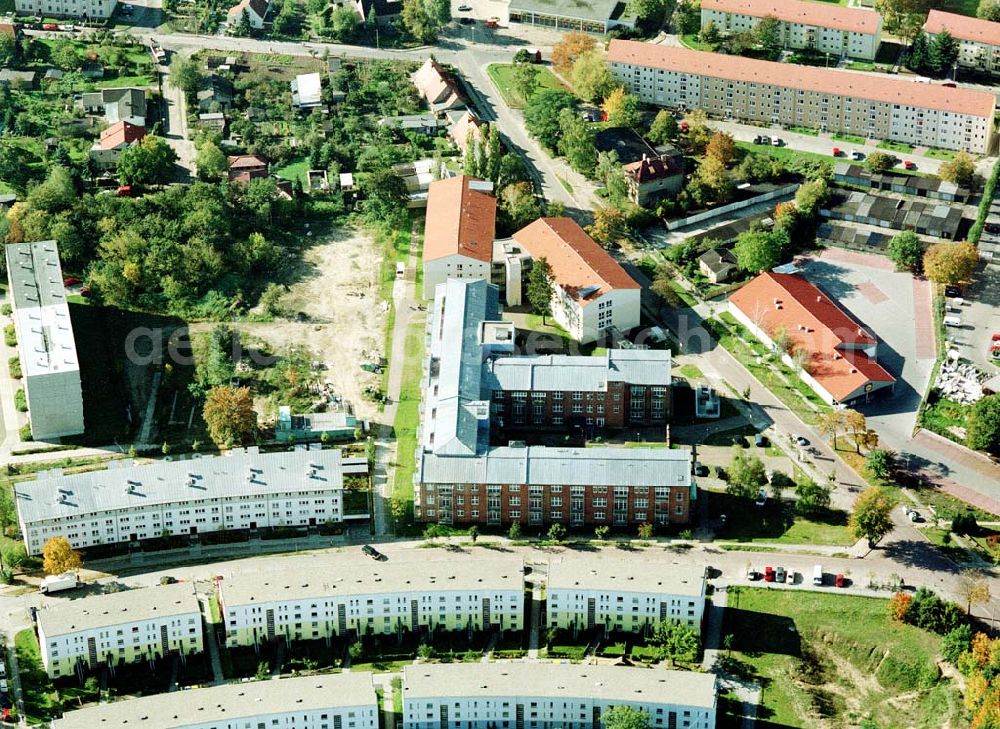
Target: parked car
(373, 553)
(50, 26)
(464, 8)
(769, 574)
(752, 574)
(779, 574)
(837, 151)
(818, 575)
(740, 441)
(761, 498)
(857, 155)
(801, 440)
(700, 469)
(683, 126)
(914, 516)
(840, 581)
(790, 577)
(760, 440)
(765, 140)
(778, 142)
(908, 165)
(952, 291)
(70, 281)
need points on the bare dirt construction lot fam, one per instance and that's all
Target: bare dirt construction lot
(333, 308)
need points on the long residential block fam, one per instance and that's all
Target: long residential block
(128, 502)
(45, 343)
(550, 696)
(81, 9)
(311, 600)
(831, 100)
(978, 40)
(335, 701)
(118, 628)
(623, 595)
(825, 27)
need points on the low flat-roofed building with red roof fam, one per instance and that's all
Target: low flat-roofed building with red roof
(824, 27)
(978, 40)
(830, 100)
(459, 230)
(838, 353)
(591, 292)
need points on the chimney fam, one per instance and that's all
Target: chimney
(819, 299)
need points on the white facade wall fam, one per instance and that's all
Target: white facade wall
(569, 608)
(801, 36)
(127, 642)
(456, 266)
(753, 102)
(55, 402)
(587, 321)
(380, 613)
(253, 511)
(976, 55)
(84, 9)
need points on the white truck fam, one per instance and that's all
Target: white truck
(58, 583)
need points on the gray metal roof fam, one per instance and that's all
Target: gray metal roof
(601, 466)
(608, 684)
(125, 484)
(59, 616)
(614, 574)
(44, 329)
(596, 10)
(228, 703)
(573, 372)
(322, 576)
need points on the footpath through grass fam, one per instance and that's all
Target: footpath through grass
(824, 656)
(502, 76)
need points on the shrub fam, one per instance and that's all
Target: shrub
(964, 524)
(14, 363)
(10, 335)
(899, 605)
(21, 401)
(25, 432)
(6, 310)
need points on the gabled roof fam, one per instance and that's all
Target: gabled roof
(814, 322)
(246, 161)
(581, 267)
(649, 169)
(718, 259)
(466, 125)
(803, 12)
(258, 7)
(808, 78)
(461, 219)
(121, 133)
(963, 27)
(436, 86)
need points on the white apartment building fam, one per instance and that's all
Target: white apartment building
(82, 9)
(118, 628)
(334, 701)
(458, 231)
(128, 502)
(45, 345)
(762, 92)
(591, 293)
(854, 32)
(309, 599)
(552, 696)
(978, 40)
(623, 595)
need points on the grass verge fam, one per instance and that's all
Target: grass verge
(502, 76)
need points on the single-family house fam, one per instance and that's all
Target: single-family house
(717, 265)
(22, 79)
(246, 167)
(383, 11)
(307, 91)
(465, 128)
(119, 136)
(437, 87)
(214, 121)
(216, 94)
(121, 104)
(256, 10)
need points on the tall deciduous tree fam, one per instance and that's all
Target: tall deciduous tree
(960, 169)
(831, 423)
(609, 227)
(881, 464)
(746, 474)
(872, 516)
(572, 46)
(541, 115)
(855, 422)
(903, 17)
(539, 290)
(591, 77)
(58, 556)
(906, 251)
(577, 142)
(524, 80)
(676, 642)
(625, 717)
(229, 414)
(989, 10)
(150, 162)
(622, 108)
(813, 498)
(664, 128)
(721, 147)
(950, 263)
(759, 250)
(767, 35)
(984, 424)
(519, 204)
(880, 162)
(211, 162)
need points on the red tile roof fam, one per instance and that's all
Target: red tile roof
(577, 262)
(963, 27)
(461, 220)
(648, 169)
(243, 161)
(814, 322)
(824, 15)
(120, 133)
(809, 78)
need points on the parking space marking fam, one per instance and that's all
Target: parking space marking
(870, 291)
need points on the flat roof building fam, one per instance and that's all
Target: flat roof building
(978, 40)
(553, 695)
(917, 186)
(590, 16)
(842, 31)
(118, 628)
(307, 91)
(832, 100)
(461, 479)
(45, 343)
(128, 502)
(937, 219)
(840, 362)
(401, 596)
(308, 702)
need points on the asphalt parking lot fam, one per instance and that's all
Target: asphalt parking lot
(980, 317)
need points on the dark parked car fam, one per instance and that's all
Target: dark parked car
(700, 469)
(374, 553)
(760, 440)
(952, 292)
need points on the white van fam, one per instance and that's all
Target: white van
(400, 270)
(818, 575)
(953, 321)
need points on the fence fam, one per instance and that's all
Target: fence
(731, 207)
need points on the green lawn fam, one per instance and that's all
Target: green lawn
(776, 523)
(896, 147)
(861, 66)
(502, 76)
(691, 372)
(943, 414)
(804, 130)
(852, 138)
(684, 295)
(786, 154)
(839, 657)
(691, 40)
(41, 702)
(408, 417)
(935, 153)
(294, 171)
